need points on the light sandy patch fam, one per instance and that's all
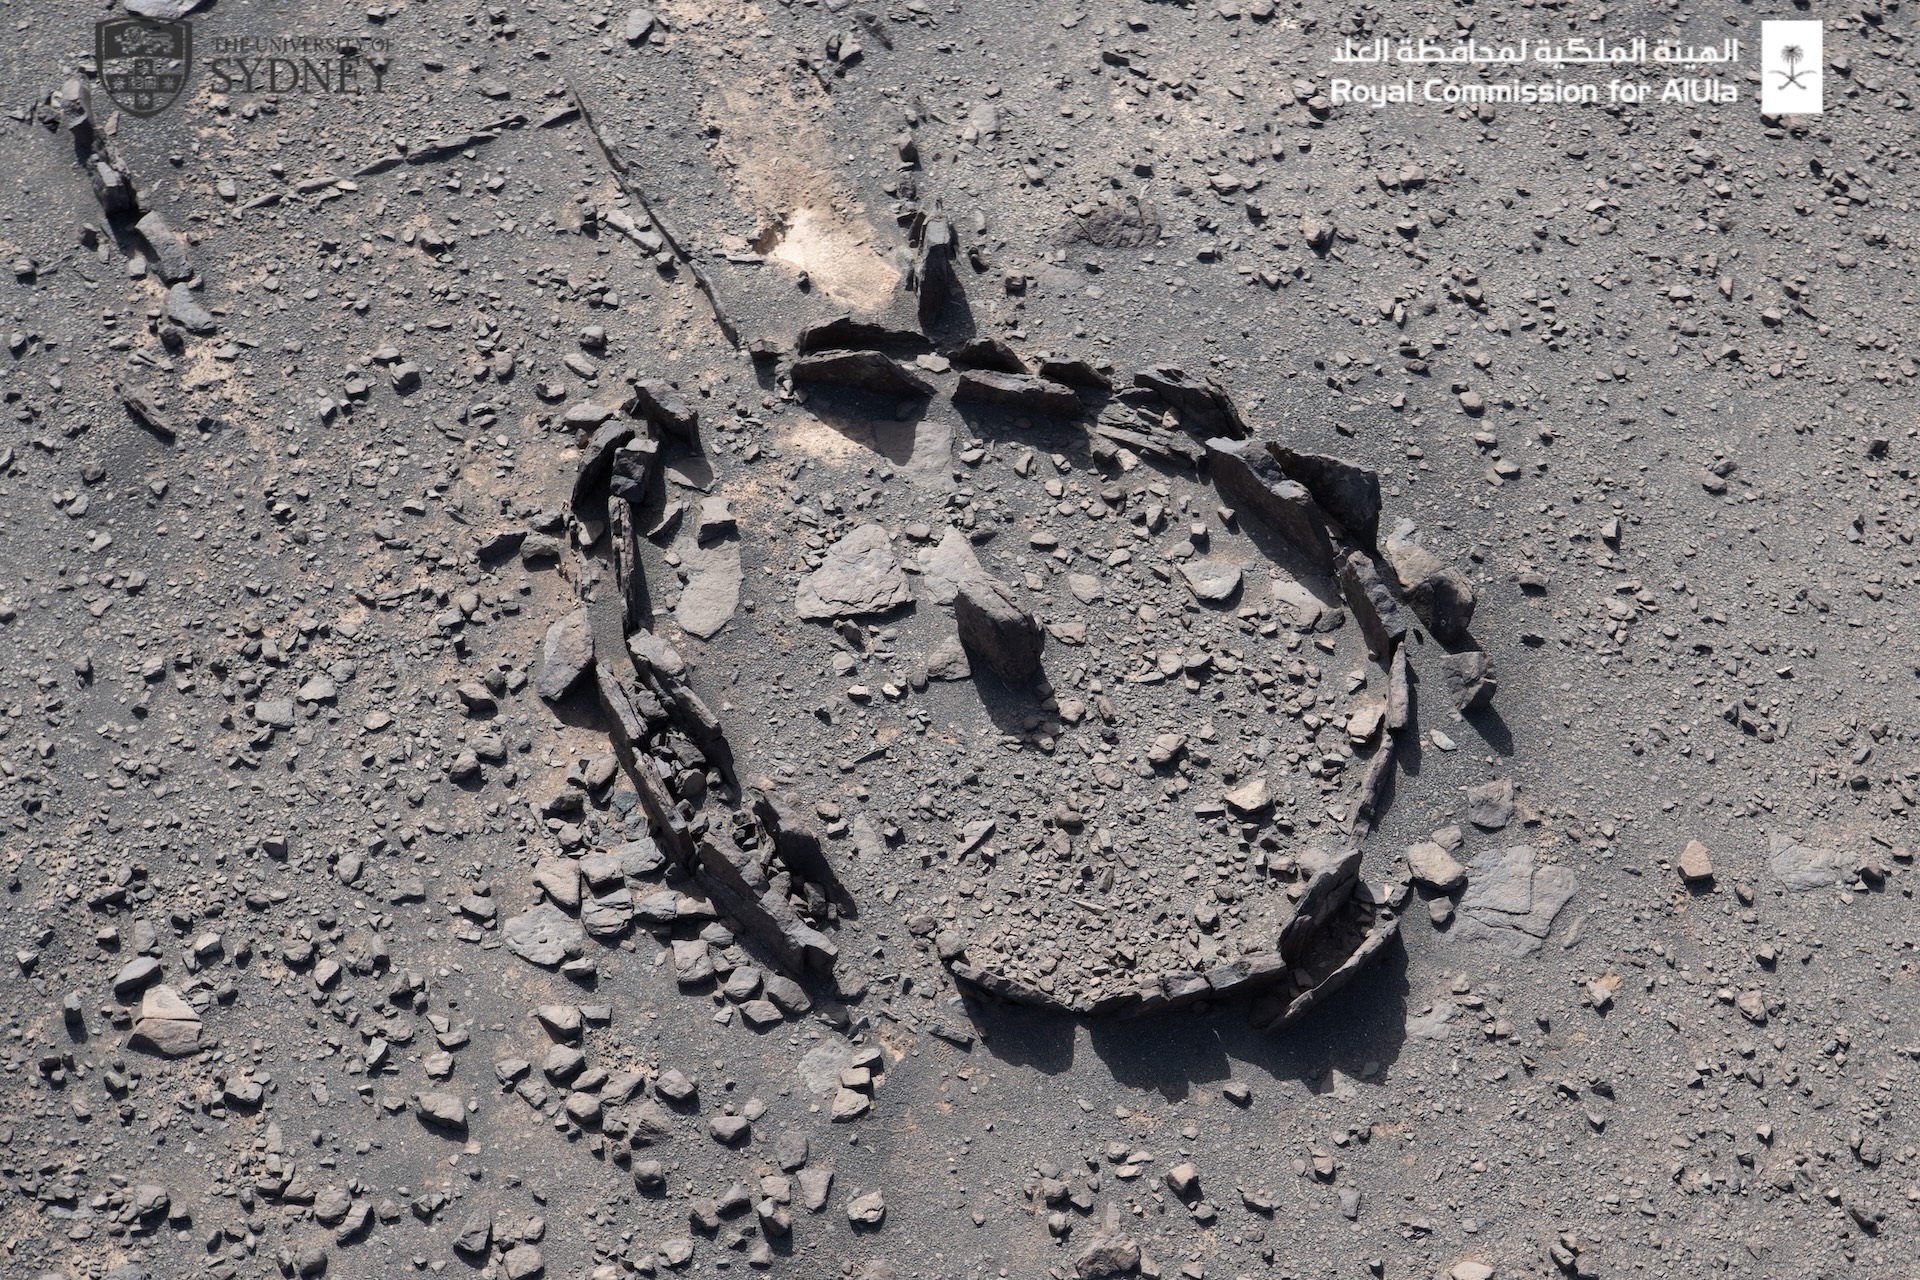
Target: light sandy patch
(922, 450)
(837, 256)
(203, 369)
(817, 439)
(778, 160)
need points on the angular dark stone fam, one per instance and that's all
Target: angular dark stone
(1250, 972)
(1331, 879)
(1373, 784)
(1203, 405)
(112, 188)
(667, 409)
(1385, 928)
(1440, 596)
(596, 461)
(1347, 491)
(1372, 605)
(171, 256)
(166, 1024)
(586, 415)
(649, 1125)
(1470, 679)
(441, 1111)
(502, 544)
(789, 996)
(790, 1150)
(628, 727)
(628, 579)
(996, 630)
(1005, 987)
(1105, 1257)
(185, 310)
(544, 936)
(76, 109)
(565, 655)
(147, 412)
(1183, 989)
(135, 976)
(737, 879)
(846, 332)
(1248, 475)
(1075, 373)
(665, 673)
(797, 843)
(933, 279)
(862, 370)
(987, 353)
(476, 1233)
(1445, 602)
(952, 1035)
(1020, 392)
(1490, 804)
(1399, 692)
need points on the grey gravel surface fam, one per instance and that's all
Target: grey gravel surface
(349, 933)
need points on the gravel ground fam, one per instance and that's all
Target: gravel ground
(993, 754)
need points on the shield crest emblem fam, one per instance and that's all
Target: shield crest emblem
(143, 65)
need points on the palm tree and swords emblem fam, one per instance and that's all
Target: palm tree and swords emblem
(1793, 55)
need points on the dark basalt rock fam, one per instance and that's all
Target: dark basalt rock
(861, 370)
(1248, 475)
(1203, 406)
(1470, 679)
(987, 353)
(667, 409)
(1021, 392)
(844, 332)
(1372, 606)
(1347, 491)
(596, 461)
(997, 631)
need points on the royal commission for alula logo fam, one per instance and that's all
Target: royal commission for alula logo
(146, 66)
(1791, 62)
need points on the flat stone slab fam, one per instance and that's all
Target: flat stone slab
(1211, 581)
(712, 592)
(1802, 867)
(1510, 901)
(565, 655)
(167, 1024)
(945, 566)
(544, 936)
(1553, 888)
(1501, 880)
(859, 576)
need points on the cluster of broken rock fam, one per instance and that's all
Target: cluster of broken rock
(148, 241)
(1317, 516)
(752, 856)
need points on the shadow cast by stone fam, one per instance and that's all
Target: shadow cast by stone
(1024, 1037)
(871, 421)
